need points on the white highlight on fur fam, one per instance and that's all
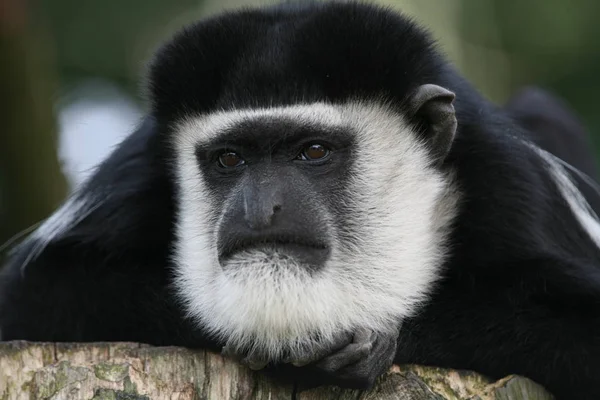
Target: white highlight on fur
(264, 302)
(581, 209)
(73, 211)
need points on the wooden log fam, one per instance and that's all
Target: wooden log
(130, 371)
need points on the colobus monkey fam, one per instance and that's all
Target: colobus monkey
(316, 190)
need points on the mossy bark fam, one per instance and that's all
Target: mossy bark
(129, 371)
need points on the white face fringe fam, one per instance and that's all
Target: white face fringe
(402, 208)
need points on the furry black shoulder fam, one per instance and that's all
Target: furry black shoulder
(317, 191)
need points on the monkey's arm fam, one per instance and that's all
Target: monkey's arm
(66, 295)
(539, 318)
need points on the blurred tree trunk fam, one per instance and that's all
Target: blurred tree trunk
(31, 180)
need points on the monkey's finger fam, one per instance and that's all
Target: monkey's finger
(362, 337)
(382, 354)
(350, 354)
(308, 357)
(369, 368)
(254, 362)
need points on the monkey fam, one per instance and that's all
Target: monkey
(317, 192)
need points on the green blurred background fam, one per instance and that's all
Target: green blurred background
(70, 73)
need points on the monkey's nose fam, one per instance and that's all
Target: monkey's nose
(261, 216)
(261, 205)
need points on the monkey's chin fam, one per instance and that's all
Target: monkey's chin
(269, 257)
(267, 311)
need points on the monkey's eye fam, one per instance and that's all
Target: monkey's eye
(314, 152)
(229, 159)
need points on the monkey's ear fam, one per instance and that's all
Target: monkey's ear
(431, 105)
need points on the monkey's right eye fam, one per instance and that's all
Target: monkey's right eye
(230, 159)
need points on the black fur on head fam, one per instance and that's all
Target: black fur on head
(253, 58)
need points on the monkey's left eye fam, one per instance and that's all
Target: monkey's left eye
(314, 152)
(230, 159)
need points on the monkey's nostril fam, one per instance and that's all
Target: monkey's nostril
(276, 208)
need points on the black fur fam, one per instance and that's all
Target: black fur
(521, 292)
(554, 127)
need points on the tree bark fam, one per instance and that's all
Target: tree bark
(130, 371)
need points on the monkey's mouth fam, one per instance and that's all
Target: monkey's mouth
(305, 251)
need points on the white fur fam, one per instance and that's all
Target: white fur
(401, 210)
(579, 206)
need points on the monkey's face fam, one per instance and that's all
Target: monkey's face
(297, 223)
(279, 184)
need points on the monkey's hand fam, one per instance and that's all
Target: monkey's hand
(354, 360)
